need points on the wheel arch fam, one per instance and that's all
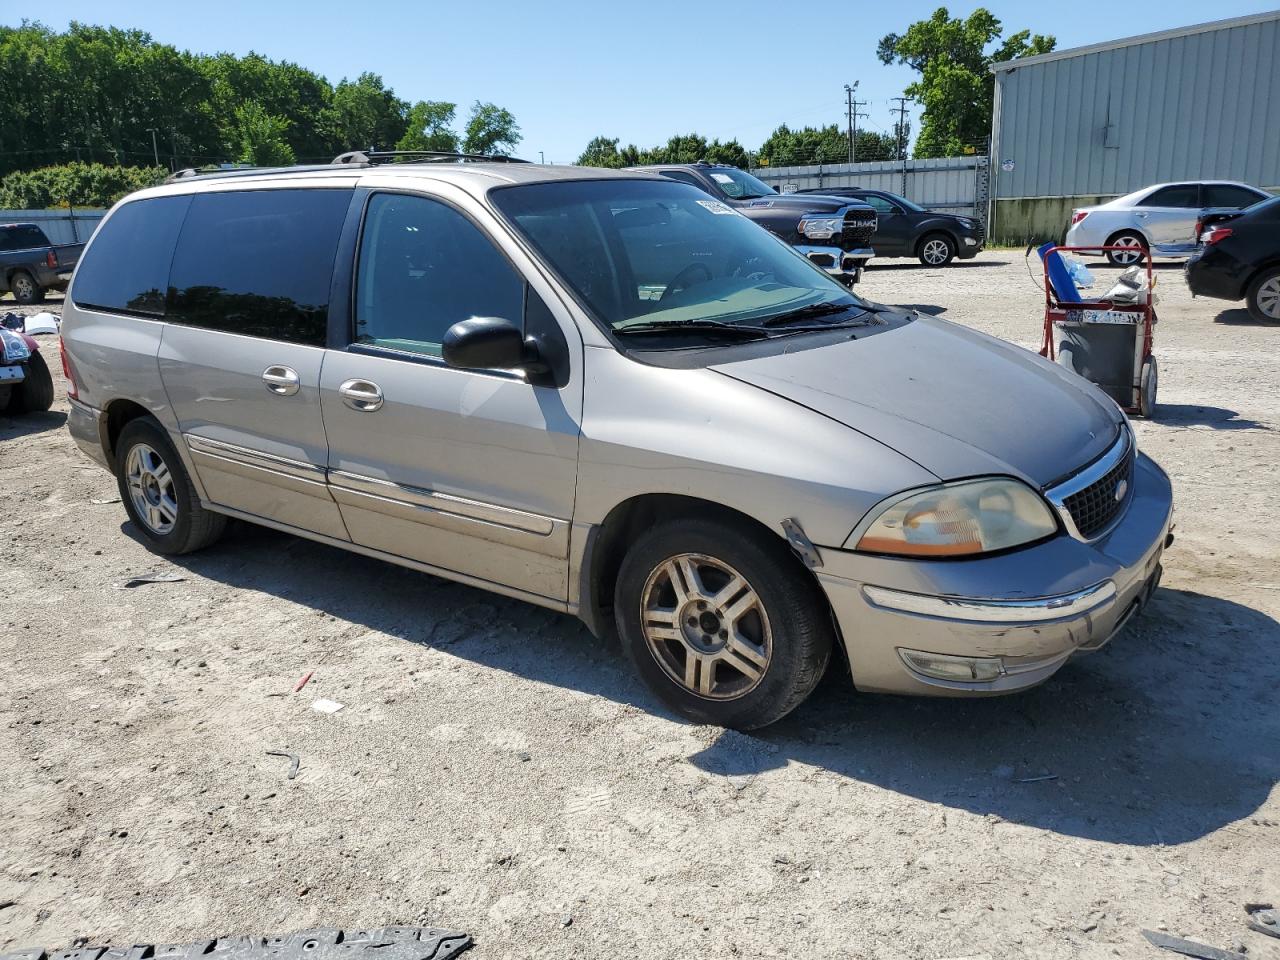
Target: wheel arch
(607, 544)
(1146, 241)
(116, 416)
(1265, 267)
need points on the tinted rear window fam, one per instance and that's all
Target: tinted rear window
(258, 263)
(22, 237)
(126, 267)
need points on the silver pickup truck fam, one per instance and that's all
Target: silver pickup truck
(30, 264)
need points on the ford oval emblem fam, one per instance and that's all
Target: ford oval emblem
(1121, 489)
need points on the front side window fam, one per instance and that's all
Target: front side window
(423, 267)
(641, 252)
(126, 267)
(1181, 195)
(258, 263)
(882, 206)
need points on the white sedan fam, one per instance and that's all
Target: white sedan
(1160, 219)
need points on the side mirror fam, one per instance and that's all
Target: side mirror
(489, 343)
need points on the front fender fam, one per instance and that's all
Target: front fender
(698, 433)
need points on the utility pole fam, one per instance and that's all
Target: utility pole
(541, 157)
(853, 148)
(901, 110)
(848, 97)
(155, 147)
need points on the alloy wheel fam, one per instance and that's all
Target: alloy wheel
(1124, 257)
(23, 287)
(151, 488)
(706, 626)
(1269, 298)
(935, 252)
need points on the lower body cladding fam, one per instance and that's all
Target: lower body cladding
(844, 265)
(997, 624)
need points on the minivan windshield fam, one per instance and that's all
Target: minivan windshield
(642, 253)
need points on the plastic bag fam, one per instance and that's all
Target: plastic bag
(1080, 274)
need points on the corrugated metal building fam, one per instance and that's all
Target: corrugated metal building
(1079, 126)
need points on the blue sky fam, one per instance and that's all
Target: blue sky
(570, 70)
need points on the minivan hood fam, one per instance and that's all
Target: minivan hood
(957, 402)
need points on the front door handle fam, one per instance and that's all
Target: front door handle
(281, 380)
(362, 395)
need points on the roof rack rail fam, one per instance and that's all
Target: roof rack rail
(375, 157)
(189, 173)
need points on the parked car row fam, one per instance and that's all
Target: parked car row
(839, 228)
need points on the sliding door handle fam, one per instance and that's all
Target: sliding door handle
(281, 380)
(362, 395)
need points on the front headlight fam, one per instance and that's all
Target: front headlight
(960, 519)
(821, 228)
(12, 347)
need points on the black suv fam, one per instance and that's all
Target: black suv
(909, 230)
(834, 232)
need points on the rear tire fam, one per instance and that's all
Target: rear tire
(35, 393)
(25, 289)
(936, 250)
(722, 622)
(1120, 258)
(158, 494)
(1263, 298)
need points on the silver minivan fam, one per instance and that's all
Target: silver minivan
(609, 394)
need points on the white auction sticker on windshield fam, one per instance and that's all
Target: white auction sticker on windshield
(721, 178)
(715, 206)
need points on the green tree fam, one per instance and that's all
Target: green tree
(261, 137)
(365, 113)
(74, 184)
(491, 130)
(430, 127)
(685, 148)
(601, 152)
(956, 86)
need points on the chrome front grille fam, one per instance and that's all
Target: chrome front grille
(1093, 500)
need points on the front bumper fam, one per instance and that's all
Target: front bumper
(970, 246)
(1027, 611)
(838, 262)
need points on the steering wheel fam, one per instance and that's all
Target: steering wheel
(683, 279)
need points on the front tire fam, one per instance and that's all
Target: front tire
(936, 250)
(35, 393)
(722, 622)
(1263, 297)
(25, 289)
(158, 494)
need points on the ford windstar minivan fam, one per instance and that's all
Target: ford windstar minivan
(609, 394)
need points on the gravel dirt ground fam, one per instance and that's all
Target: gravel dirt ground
(495, 769)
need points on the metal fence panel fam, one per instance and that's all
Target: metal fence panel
(60, 226)
(950, 184)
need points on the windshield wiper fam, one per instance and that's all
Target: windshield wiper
(815, 310)
(696, 326)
